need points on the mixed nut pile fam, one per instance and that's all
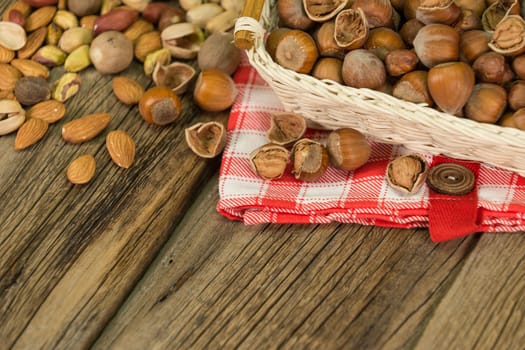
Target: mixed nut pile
(169, 40)
(463, 57)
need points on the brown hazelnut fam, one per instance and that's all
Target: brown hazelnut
(407, 173)
(272, 40)
(518, 66)
(473, 43)
(516, 95)
(160, 105)
(412, 87)
(491, 67)
(292, 14)
(214, 90)
(487, 103)
(350, 30)
(285, 128)
(348, 149)
(382, 40)
(450, 85)
(363, 69)
(378, 12)
(436, 43)
(296, 51)
(409, 29)
(329, 68)
(399, 62)
(325, 38)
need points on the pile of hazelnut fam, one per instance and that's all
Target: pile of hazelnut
(462, 57)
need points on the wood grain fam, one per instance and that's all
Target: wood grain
(218, 284)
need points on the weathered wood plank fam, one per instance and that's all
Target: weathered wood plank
(485, 306)
(70, 254)
(219, 284)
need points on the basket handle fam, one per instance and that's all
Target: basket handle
(244, 38)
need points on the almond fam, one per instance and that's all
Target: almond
(6, 55)
(9, 76)
(139, 27)
(33, 43)
(146, 44)
(82, 169)
(30, 133)
(51, 111)
(127, 91)
(30, 68)
(85, 128)
(40, 18)
(121, 148)
(20, 6)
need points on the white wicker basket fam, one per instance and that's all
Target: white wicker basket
(380, 116)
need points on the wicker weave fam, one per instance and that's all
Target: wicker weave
(382, 117)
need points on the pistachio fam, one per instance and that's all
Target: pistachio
(183, 40)
(138, 5)
(222, 22)
(12, 115)
(159, 57)
(31, 90)
(33, 43)
(65, 19)
(54, 33)
(66, 87)
(74, 38)
(176, 76)
(12, 35)
(50, 56)
(201, 14)
(108, 5)
(78, 59)
(30, 68)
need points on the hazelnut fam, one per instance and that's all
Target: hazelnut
(328, 68)
(407, 173)
(269, 161)
(296, 51)
(348, 149)
(382, 40)
(412, 87)
(160, 105)
(292, 14)
(487, 103)
(214, 90)
(436, 43)
(516, 95)
(491, 67)
(363, 69)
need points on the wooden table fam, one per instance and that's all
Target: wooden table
(140, 259)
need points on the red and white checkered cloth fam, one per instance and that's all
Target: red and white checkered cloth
(497, 204)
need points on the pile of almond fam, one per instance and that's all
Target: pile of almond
(37, 36)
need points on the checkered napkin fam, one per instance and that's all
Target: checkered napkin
(363, 196)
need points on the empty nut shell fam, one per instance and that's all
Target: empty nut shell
(286, 128)
(269, 161)
(309, 159)
(407, 173)
(206, 140)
